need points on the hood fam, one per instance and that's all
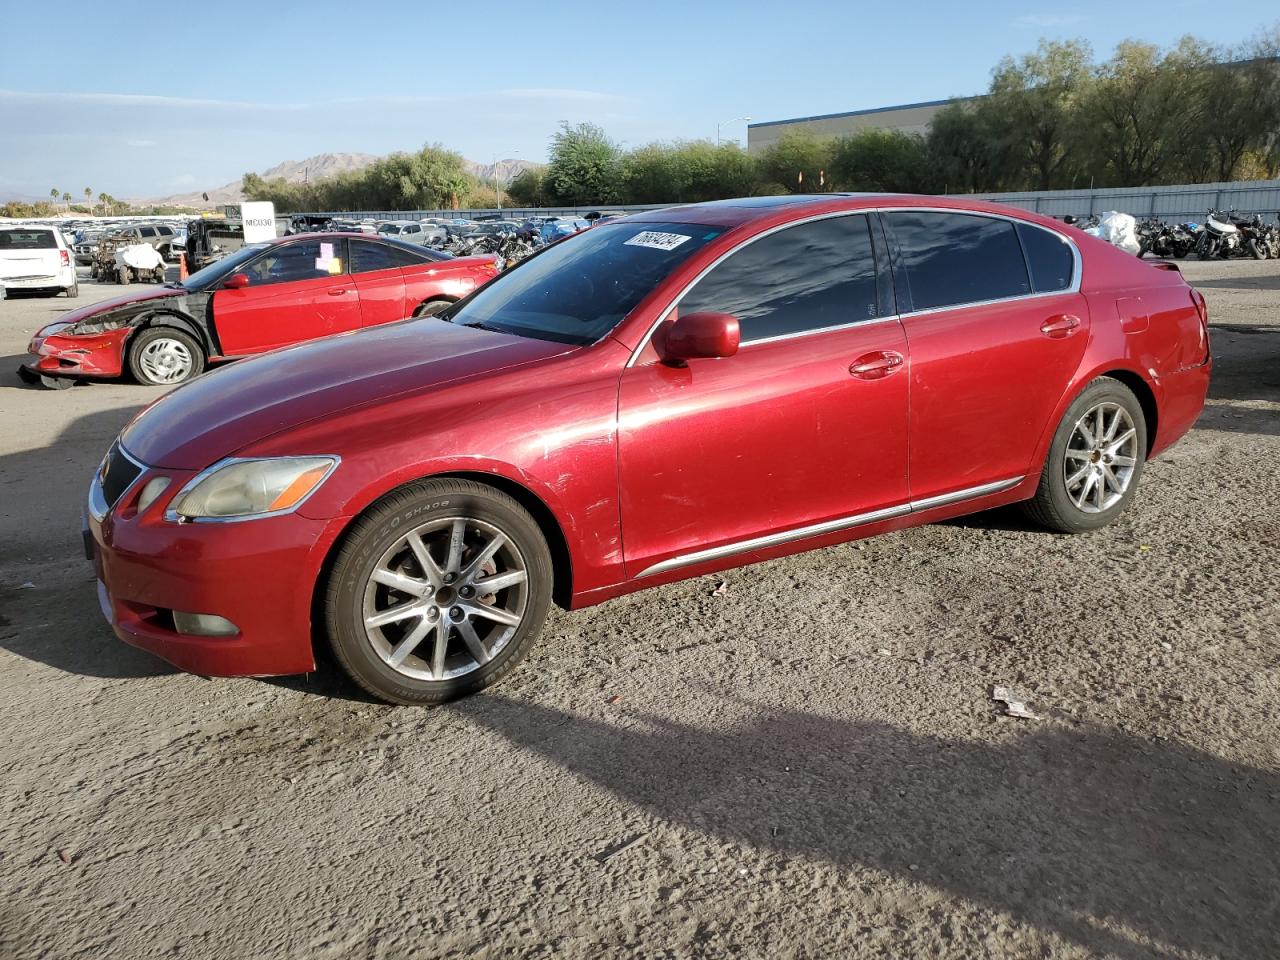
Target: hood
(106, 306)
(247, 401)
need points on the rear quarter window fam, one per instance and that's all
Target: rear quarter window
(1050, 258)
(951, 259)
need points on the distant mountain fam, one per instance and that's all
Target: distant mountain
(324, 165)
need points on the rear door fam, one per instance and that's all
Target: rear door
(29, 253)
(375, 269)
(297, 291)
(994, 344)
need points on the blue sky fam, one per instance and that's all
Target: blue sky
(155, 99)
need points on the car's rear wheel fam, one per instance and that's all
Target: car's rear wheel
(432, 307)
(72, 291)
(439, 591)
(124, 275)
(163, 356)
(1095, 460)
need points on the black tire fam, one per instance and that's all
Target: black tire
(432, 307)
(124, 275)
(140, 342)
(72, 291)
(93, 271)
(380, 530)
(1052, 506)
(1256, 250)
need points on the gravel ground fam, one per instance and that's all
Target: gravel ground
(808, 765)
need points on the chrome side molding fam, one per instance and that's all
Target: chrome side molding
(828, 526)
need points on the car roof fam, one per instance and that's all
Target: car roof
(733, 213)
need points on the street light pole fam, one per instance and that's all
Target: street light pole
(730, 120)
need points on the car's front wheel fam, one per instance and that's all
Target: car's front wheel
(1095, 460)
(162, 356)
(439, 591)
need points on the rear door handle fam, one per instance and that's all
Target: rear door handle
(1060, 326)
(876, 365)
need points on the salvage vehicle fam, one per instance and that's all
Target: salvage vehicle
(413, 231)
(37, 259)
(660, 397)
(259, 298)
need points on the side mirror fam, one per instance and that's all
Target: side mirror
(695, 336)
(237, 281)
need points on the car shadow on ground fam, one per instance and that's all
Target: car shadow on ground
(1127, 847)
(1268, 282)
(48, 605)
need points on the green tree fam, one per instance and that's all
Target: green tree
(526, 188)
(798, 160)
(583, 167)
(882, 160)
(1141, 110)
(1034, 104)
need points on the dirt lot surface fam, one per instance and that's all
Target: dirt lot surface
(808, 765)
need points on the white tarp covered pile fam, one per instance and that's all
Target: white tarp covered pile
(1118, 229)
(140, 257)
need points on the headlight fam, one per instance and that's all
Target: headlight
(242, 489)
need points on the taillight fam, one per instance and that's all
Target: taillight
(1202, 309)
(66, 258)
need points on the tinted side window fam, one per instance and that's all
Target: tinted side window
(1050, 258)
(304, 260)
(957, 258)
(372, 256)
(148, 231)
(807, 277)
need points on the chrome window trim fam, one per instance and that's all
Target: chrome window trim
(828, 526)
(172, 515)
(98, 508)
(1073, 288)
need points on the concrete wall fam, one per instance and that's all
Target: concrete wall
(909, 118)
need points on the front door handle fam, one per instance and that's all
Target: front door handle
(876, 365)
(1060, 326)
(337, 293)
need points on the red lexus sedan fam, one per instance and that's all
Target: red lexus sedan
(663, 396)
(261, 297)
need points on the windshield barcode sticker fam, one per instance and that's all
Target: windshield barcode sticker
(656, 240)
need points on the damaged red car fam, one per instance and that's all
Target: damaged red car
(258, 298)
(656, 398)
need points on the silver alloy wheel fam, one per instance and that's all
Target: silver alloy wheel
(166, 361)
(459, 580)
(1101, 455)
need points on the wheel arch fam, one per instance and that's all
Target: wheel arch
(431, 299)
(543, 516)
(178, 321)
(1146, 398)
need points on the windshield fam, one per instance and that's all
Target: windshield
(578, 290)
(214, 272)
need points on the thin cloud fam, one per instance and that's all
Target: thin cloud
(1047, 21)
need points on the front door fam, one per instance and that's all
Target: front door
(806, 425)
(297, 291)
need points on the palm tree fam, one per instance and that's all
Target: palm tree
(88, 196)
(102, 199)
(66, 198)
(54, 194)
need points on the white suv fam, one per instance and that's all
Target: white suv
(36, 258)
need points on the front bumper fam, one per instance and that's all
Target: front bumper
(95, 355)
(259, 574)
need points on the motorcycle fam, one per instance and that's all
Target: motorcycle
(1219, 239)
